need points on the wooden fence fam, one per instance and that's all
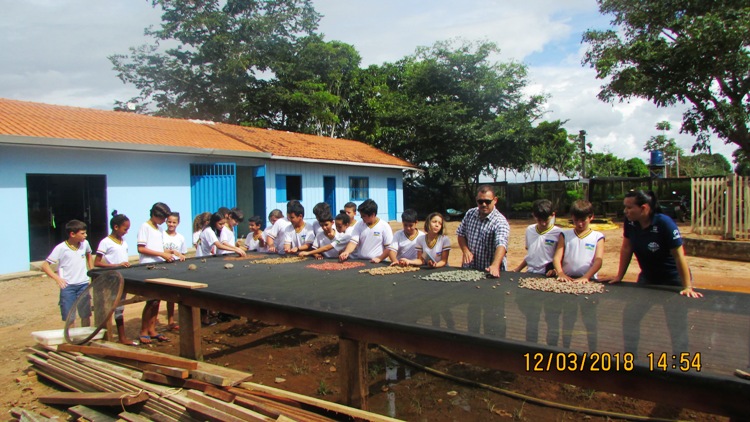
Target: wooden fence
(719, 206)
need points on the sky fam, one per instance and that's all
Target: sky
(55, 52)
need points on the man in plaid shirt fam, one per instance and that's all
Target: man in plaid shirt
(483, 235)
(483, 238)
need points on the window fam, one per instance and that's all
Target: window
(288, 188)
(359, 188)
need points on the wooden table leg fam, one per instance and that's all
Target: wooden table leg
(353, 372)
(190, 332)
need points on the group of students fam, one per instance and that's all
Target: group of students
(74, 257)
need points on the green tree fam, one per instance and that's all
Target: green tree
(450, 110)
(670, 52)
(600, 164)
(741, 162)
(553, 150)
(635, 167)
(220, 48)
(667, 146)
(704, 165)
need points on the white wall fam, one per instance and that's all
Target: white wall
(135, 181)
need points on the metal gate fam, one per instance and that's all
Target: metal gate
(212, 186)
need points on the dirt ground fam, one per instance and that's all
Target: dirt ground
(307, 361)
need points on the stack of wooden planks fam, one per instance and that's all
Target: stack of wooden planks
(137, 385)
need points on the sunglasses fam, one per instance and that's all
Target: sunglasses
(484, 201)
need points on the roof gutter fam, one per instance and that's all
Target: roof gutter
(343, 163)
(35, 141)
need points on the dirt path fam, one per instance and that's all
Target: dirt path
(307, 361)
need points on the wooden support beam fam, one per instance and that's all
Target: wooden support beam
(234, 410)
(90, 414)
(190, 331)
(96, 399)
(353, 372)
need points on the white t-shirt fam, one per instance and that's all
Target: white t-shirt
(579, 252)
(152, 238)
(72, 266)
(298, 237)
(175, 243)
(196, 238)
(113, 250)
(276, 231)
(371, 241)
(339, 242)
(434, 252)
(266, 232)
(405, 247)
(540, 248)
(226, 237)
(252, 244)
(207, 243)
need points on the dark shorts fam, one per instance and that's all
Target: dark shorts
(68, 297)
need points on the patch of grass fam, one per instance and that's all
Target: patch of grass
(518, 413)
(323, 389)
(375, 369)
(300, 368)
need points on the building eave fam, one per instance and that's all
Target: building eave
(32, 141)
(343, 163)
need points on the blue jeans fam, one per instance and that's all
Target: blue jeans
(68, 297)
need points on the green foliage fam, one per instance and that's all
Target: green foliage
(551, 149)
(522, 206)
(323, 389)
(601, 164)
(704, 165)
(672, 52)
(667, 146)
(573, 195)
(220, 48)
(635, 167)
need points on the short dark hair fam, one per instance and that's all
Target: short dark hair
(409, 216)
(350, 205)
(74, 226)
(344, 218)
(323, 216)
(224, 211)
(485, 189)
(368, 207)
(320, 207)
(581, 209)
(237, 214)
(645, 198)
(160, 210)
(295, 207)
(255, 219)
(275, 213)
(541, 209)
(175, 214)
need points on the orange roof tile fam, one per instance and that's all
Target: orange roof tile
(22, 118)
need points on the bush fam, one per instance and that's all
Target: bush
(522, 206)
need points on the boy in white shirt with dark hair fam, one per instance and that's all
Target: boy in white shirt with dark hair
(333, 238)
(298, 236)
(371, 236)
(404, 245)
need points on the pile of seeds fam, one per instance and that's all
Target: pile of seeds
(551, 284)
(280, 260)
(456, 276)
(242, 258)
(336, 266)
(389, 270)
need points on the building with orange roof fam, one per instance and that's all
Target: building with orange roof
(60, 163)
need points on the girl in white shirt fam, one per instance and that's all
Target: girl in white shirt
(434, 247)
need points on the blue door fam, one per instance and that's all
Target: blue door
(259, 192)
(329, 192)
(212, 186)
(392, 199)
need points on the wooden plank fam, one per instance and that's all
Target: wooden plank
(274, 409)
(24, 415)
(159, 369)
(177, 283)
(163, 379)
(95, 399)
(210, 378)
(90, 414)
(333, 407)
(212, 414)
(230, 409)
(219, 393)
(135, 355)
(132, 417)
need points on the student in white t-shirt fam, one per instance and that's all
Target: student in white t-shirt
(298, 236)
(255, 240)
(151, 251)
(275, 235)
(321, 208)
(209, 243)
(371, 236)
(232, 218)
(174, 242)
(434, 247)
(199, 223)
(404, 245)
(113, 253)
(541, 240)
(333, 238)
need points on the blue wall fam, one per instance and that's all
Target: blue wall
(135, 181)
